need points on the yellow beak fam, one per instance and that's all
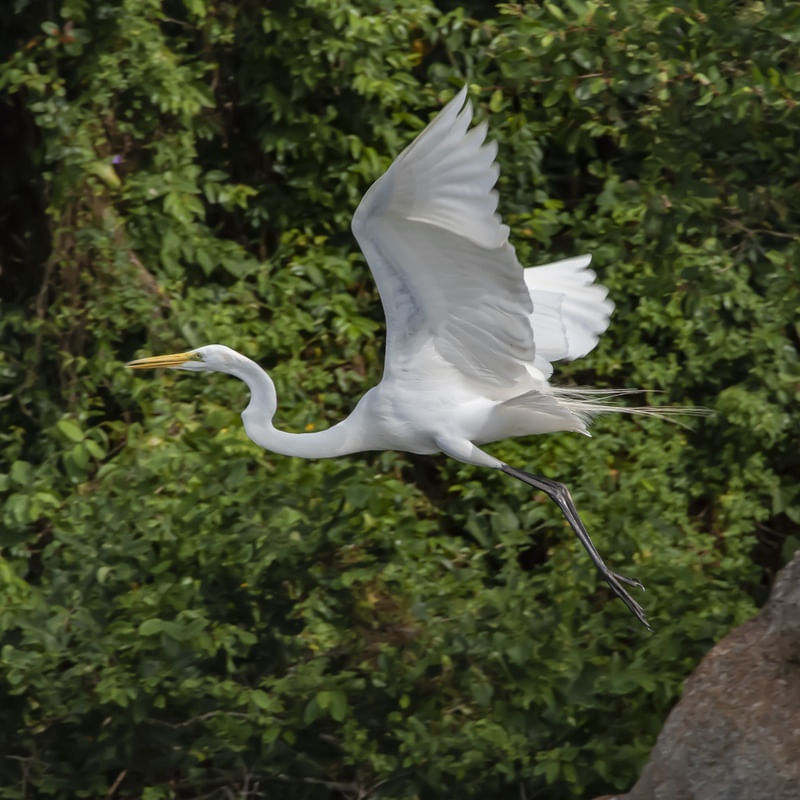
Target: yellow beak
(153, 362)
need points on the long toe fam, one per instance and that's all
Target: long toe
(630, 581)
(619, 590)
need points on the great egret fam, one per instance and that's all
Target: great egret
(470, 334)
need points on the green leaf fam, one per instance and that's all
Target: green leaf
(151, 627)
(102, 576)
(70, 430)
(262, 700)
(706, 98)
(21, 473)
(555, 11)
(338, 706)
(94, 449)
(552, 97)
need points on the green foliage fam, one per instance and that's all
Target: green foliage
(184, 615)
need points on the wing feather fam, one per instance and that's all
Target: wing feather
(440, 254)
(570, 310)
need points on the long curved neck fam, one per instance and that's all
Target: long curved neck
(338, 440)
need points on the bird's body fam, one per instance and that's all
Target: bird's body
(471, 335)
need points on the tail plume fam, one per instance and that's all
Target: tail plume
(587, 403)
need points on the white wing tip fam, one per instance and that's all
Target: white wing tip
(459, 101)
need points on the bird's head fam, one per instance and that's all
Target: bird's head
(211, 358)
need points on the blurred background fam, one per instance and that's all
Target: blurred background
(183, 615)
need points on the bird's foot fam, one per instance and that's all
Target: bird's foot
(615, 581)
(630, 581)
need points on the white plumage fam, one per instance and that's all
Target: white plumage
(470, 334)
(570, 310)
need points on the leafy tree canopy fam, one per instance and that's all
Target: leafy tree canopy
(186, 616)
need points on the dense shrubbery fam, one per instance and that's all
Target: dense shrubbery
(184, 615)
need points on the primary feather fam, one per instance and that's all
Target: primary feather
(440, 254)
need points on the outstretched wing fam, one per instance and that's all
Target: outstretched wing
(440, 255)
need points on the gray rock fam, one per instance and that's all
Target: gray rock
(735, 734)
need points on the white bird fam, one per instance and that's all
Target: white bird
(470, 334)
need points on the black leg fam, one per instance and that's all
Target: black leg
(560, 495)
